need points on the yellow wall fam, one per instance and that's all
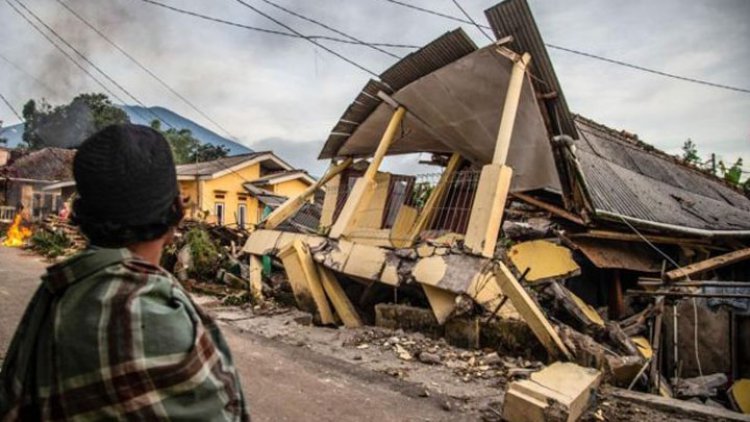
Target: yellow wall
(230, 186)
(290, 188)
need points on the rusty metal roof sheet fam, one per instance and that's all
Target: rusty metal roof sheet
(442, 51)
(623, 178)
(51, 164)
(514, 18)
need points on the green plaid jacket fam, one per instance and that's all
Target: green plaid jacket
(109, 336)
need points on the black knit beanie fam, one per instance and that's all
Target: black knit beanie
(125, 175)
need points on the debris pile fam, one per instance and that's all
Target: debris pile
(545, 235)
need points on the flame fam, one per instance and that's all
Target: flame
(17, 234)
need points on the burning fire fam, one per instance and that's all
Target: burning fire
(17, 234)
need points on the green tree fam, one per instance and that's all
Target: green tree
(208, 152)
(690, 153)
(188, 149)
(3, 141)
(69, 124)
(733, 174)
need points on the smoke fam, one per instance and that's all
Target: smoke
(61, 80)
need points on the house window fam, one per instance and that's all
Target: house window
(219, 211)
(241, 215)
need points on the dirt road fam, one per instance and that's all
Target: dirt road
(282, 382)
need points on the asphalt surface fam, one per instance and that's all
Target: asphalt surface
(280, 381)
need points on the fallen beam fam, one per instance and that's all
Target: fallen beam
(709, 264)
(292, 205)
(306, 286)
(531, 313)
(341, 303)
(687, 409)
(549, 208)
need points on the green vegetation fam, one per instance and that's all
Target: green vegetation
(50, 244)
(731, 174)
(205, 254)
(188, 149)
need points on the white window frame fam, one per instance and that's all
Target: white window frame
(220, 216)
(241, 215)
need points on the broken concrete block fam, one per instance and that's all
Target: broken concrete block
(463, 332)
(557, 263)
(739, 395)
(560, 392)
(408, 318)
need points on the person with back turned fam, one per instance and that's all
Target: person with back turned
(110, 335)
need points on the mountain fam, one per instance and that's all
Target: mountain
(144, 116)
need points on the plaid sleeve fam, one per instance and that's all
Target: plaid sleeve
(156, 356)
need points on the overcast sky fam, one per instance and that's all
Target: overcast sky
(285, 94)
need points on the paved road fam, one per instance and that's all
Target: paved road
(281, 382)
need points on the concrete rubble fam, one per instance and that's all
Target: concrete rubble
(514, 247)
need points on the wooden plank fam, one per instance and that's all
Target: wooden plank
(549, 207)
(371, 216)
(629, 237)
(294, 272)
(709, 264)
(402, 226)
(531, 313)
(364, 187)
(356, 202)
(256, 279)
(434, 199)
(487, 211)
(385, 142)
(510, 109)
(292, 205)
(616, 301)
(442, 302)
(310, 272)
(341, 303)
(677, 408)
(329, 202)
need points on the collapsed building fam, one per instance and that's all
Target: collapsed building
(613, 254)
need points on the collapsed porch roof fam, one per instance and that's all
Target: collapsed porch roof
(454, 95)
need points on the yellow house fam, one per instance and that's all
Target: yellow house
(225, 189)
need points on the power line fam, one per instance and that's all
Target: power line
(220, 165)
(271, 31)
(28, 74)
(10, 106)
(65, 53)
(292, 30)
(144, 68)
(582, 53)
(89, 62)
(323, 25)
(645, 69)
(473, 22)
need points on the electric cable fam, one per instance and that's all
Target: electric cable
(144, 68)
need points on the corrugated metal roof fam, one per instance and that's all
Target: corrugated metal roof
(208, 168)
(514, 18)
(440, 52)
(446, 49)
(623, 178)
